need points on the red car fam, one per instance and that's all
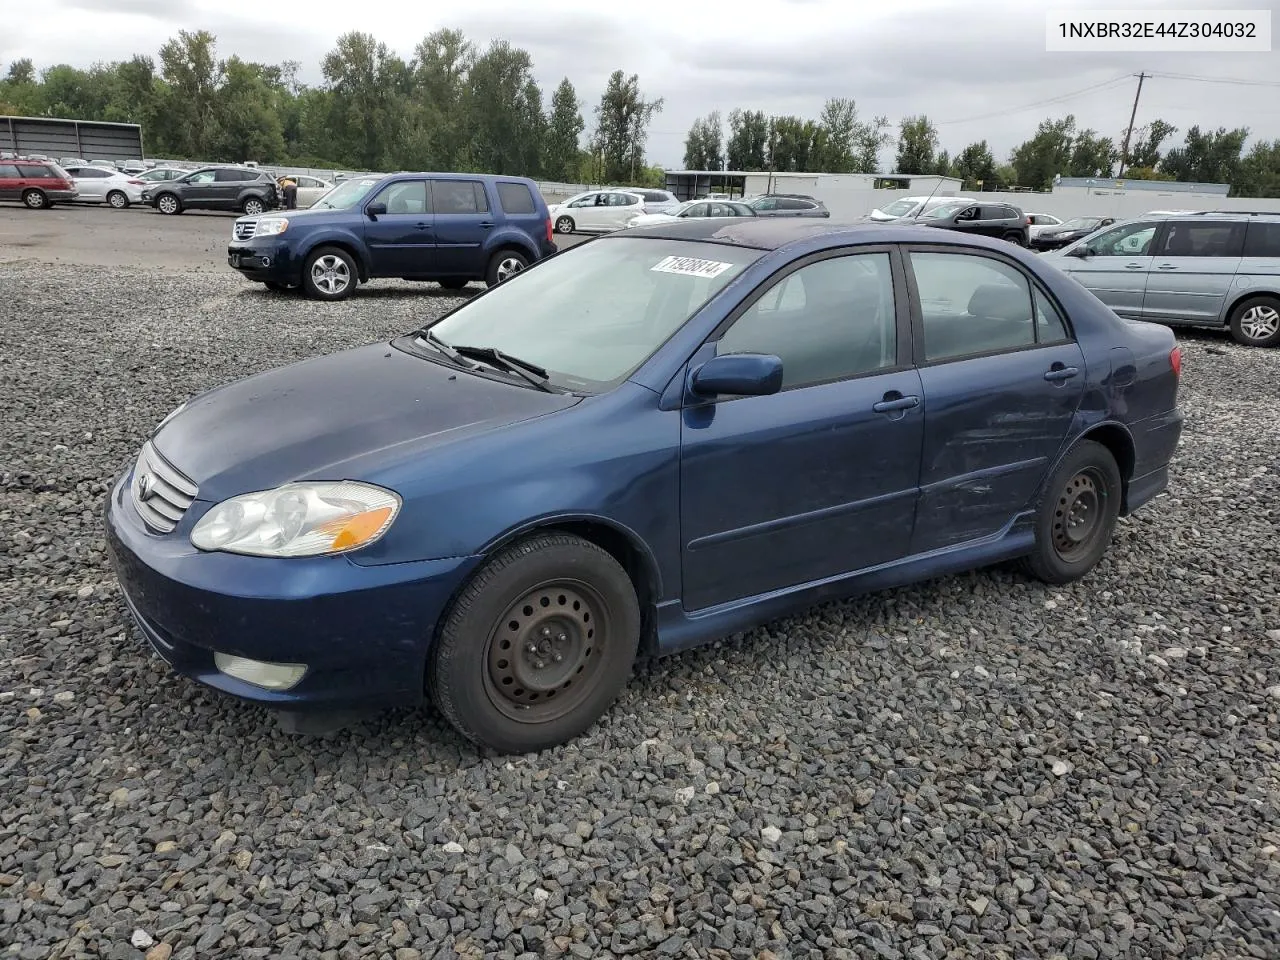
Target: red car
(38, 184)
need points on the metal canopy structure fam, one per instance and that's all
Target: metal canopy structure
(86, 139)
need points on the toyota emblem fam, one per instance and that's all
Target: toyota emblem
(146, 487)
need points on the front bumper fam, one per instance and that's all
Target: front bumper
(265, 260)
(363, 631)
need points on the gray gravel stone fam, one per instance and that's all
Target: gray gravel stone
(902, 745)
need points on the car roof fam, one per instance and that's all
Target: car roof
(773, 233)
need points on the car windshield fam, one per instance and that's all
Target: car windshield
(900, 208)
(1083, 223)
(946, 210)
(592, 315)
(346, 194)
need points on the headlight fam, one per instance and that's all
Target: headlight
(169, 416)
(270, 227)
(299, 520)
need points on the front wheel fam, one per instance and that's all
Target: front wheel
(168, 203)
(253, 207)
(453, 283)
(505, 264)
(537, 646)
(275, 286)
(117, 199)
(1077, 515)
(1256, 322)
(330, 274)
(35, 199)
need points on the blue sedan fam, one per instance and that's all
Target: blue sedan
(644, 443)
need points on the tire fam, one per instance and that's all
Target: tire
(453, 283)
(1014, 237)
(276, 286)
(505, 264)
(565, 225)
(168, 203)
(550, 595)
(1255, 322)
(117, 200)
(330, 274)
(253, 207)
(1078, 514)
(36, 199)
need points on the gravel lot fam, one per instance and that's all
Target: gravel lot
(977, 767)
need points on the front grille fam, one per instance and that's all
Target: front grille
(160, 493)
(243, 230)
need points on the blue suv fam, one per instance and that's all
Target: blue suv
(448, 227)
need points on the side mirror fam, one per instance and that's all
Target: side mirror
(739, 375)
(1081, 252)
(375, 210)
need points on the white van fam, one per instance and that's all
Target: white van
(905, 208)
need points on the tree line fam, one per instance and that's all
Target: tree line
(838, 142)
(450, 106)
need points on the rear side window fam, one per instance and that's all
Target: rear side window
(1262, 240)
(795, 205)
(516, 198)
(229, 176)
(459, 196)
(1050, 327)
(972, 305)
(1200, 239)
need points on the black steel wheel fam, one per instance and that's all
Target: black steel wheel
(1077, 515)
(537, 646)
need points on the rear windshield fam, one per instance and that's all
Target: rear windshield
(593, 314)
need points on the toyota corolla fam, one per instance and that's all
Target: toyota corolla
(652, 440)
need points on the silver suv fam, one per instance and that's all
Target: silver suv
(1212, 268)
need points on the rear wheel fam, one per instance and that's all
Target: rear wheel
(564, 225)
(253, 207)
(1256, 322)
(1077, 515)
(117, 199)
(453, 283)
(1014, 236)
(168, 203)
(35, 199)
(330, 274)
(537, 646)
(505, 264)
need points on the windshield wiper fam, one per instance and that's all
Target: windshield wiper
(446, 348)
(531, 372)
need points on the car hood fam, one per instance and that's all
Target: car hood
(341, 416)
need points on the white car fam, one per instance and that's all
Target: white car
(695, 209)
(1037, 222)
(310, 189)
(100, 185)
(905, 207)
(599, 211)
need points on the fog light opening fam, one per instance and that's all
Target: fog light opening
(260, 673)
(266, 261)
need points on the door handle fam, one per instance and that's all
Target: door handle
(892, 403)
(1059, 372)
(422, 226)
(1168, 266)
(1133, 266)
(485, 224)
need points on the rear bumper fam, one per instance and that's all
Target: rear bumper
(1155, 441)
(61, 196)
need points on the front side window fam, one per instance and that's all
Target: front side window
(407, 196)
(203, 176)
(768, 203)
(592, 315)
(1130, 240)
(588, 201)
(829, 320)
(971, 305)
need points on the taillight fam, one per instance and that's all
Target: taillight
(550, 232)
(1175, 361)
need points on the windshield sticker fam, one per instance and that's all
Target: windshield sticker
(690, 267)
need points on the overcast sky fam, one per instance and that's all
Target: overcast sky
(969, 66)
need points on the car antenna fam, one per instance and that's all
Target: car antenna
(924, 206)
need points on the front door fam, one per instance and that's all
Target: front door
(200, 189)
(1194, 266)
(1002, 379)
(401, 241)
(463, 224)
(821, 478)
(1116, 266)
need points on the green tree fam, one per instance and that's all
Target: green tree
(1048, 153)
(748, 142)
(1144, 147)
(192, 75)
(703, 147)
(1092, 155)
(1259, 171)
(1208, 157)
(917, 144)
(976, 167)
(562, 154)
(249, 127)
(366, 82)
(504, 107)
(437, 114)
(791, 143)
(942, 165)
(622, 128)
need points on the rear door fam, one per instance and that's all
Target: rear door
(1195, 264)
(622, 207)
(402, 241)
(1002, 380)
(227, 184)
(520, 210)
(9, 189)
(463, 222)
(1116, 267)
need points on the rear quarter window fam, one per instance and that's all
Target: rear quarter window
(516, 198)
(1262, 240)
(36, 171)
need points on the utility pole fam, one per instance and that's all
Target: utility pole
(1124, 151)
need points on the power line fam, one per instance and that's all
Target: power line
(1039, 103)
(1234, 80)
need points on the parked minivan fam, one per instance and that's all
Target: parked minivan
(1206, 269)
(448, 227)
